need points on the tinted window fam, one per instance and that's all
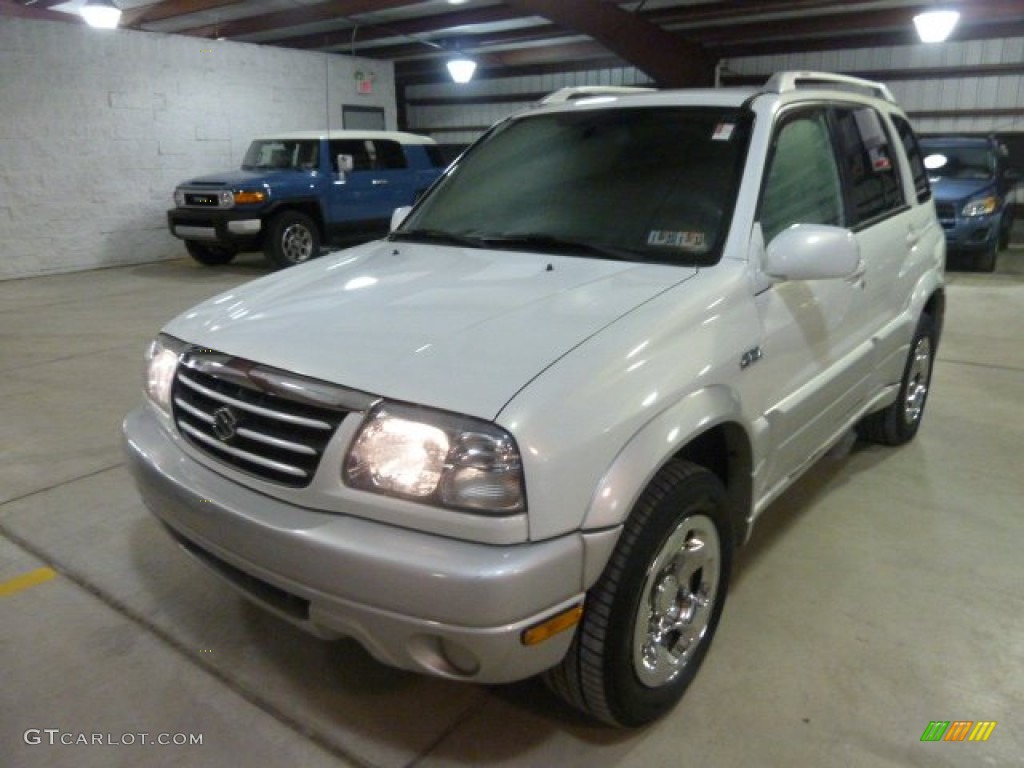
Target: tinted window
(360, 149)
(802, 184)
(914, 155)
(869, 164)
(277, 154)
(389, 155)
(436, 155)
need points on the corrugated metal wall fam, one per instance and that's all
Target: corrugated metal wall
(468, 112)
(967, 98)
(967, 103)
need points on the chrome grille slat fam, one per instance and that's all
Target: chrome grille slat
(260, 437)
(244, 455)
(253, 408)
(255, 419)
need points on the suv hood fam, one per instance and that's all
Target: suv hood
(952, 190)
(459, 329)
(232, 178)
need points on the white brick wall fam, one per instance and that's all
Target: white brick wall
(96, 128)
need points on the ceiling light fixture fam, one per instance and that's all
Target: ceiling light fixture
(101, 14)
(461, 69)
(935, 26)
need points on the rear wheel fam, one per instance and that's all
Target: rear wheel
(292, 238)
(648, 621)
(210, 255)
(899, 422)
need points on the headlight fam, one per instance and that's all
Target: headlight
(437, 458)
(161, 363)
(225, 198)
(981, 207)
(179, 198)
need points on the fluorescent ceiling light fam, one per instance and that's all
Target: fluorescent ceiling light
(461, 69)
(935, 26)
(102, 14)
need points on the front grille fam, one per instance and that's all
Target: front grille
(202, 200)
(240, 414)
(945, 211)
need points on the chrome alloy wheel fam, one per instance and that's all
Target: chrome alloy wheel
(917, 381)
(677, 601)
(297, 243)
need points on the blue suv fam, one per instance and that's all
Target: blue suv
(972, 187)
(297, 191)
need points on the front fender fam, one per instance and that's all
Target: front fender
(662, 438)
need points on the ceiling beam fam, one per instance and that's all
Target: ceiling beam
(664, 56)
(166, 10)
(411, 28)
(341, 10)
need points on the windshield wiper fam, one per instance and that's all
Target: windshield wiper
(555, 244)
(436, 236)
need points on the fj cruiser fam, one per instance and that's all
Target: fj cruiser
(298, 190)
(533, 424)
(972, 186)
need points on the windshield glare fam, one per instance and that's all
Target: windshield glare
(953, 162)
(276, 154)
(653, 183)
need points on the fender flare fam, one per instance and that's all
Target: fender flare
(662, 438)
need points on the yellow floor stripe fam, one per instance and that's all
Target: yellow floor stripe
(25, 581)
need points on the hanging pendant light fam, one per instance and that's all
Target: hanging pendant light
(461, 69)
(101, 14)
(935, 26)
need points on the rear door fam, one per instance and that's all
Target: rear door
(378, 183)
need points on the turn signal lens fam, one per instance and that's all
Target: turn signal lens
(548, 628)
(250, 197)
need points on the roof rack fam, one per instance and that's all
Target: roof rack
(574, 92)
(783, 82)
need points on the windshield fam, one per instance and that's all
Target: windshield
(277, 154)
(648, 183)
(958, 162)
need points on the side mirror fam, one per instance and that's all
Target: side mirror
(812, 252)
(345, 164)
(398, 216)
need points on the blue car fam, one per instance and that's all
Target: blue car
(972, 186)
(297, 191)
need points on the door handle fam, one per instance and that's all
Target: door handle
(378, 182)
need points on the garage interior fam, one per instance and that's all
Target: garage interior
(878, 595)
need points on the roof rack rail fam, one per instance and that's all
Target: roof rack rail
(783, 82)
(573, 92)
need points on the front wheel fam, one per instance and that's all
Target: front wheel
(210, 255)
(899, 422)
(292, 238)
(649, 619)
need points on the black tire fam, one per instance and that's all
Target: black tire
(631, 659)
(1004, 232)
(210, 255)
(986, 260)
(291, 238)
(898, 423)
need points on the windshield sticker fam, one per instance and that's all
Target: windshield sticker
(723, 132)
(669, 239)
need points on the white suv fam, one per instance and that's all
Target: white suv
(525, 433)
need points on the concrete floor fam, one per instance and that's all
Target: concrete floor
(882, 593)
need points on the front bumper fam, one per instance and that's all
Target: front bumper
(977, 233)
(416, 601)
(236, 228)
